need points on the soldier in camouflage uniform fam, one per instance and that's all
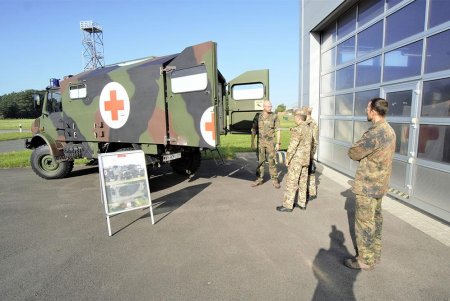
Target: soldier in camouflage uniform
(265, 125)
(297, 160)
(312, 190)
(375, 152)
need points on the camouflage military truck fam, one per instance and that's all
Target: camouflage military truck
(171, 107)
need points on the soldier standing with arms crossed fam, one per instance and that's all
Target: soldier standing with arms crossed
(312, 190)
(375, 152)
(265, 125)
(297, 160)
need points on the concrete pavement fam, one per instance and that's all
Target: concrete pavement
(215, 238)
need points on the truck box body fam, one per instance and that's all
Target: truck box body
(177, 103)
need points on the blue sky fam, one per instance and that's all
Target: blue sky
(42, 38)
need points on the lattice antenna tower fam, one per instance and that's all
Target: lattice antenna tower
(93, 54)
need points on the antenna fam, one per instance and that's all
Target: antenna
(93, 55)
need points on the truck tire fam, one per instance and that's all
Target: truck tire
(44, 165)
(187, 164)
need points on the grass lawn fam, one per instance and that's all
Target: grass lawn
(229, 144)
(14, 136)
(13, 124)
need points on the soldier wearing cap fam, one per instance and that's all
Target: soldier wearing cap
(312, 189)
(298, 157)
(267, 126)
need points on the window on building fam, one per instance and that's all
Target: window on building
(438, 53)
(368, 72)
(346, 23)
(434, 143)
(344, 104)
(344, 78)
(328, 82)
(399, 103)
(403, 62)
(370, 39)
(343, 130)
(326, 128)
(328, 59)
(392, 3)
(438, 12)
(402, 135)
(346, 51)
(329, 35)
(369, 10)
(361, 100)
(360, 127)
(405, 22)
(327, 105)
(436, 98)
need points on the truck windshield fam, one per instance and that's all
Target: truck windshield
(54, 101)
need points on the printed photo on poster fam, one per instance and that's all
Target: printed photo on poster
(124, 181)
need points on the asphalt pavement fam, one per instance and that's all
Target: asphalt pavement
(214, 238)
(12, 145)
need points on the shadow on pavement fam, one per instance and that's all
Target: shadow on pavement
(350, 208)
(335, 281)
(165, 205)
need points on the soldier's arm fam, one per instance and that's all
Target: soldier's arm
(363, 147)
(293, 144)
(278, 132)
(254, 129)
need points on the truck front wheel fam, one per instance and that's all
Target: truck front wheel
(45, 166)
(188, 163)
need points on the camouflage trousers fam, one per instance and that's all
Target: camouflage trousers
(368, 224)
(297, 179)
(266, 152)
(312, 191)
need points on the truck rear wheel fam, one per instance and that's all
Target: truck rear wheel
(188, 163)
(45, 166)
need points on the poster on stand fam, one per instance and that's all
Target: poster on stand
(124, 183)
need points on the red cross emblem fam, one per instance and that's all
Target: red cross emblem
(114, 105)
(209, 127)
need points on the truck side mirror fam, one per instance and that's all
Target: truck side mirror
(36, 100)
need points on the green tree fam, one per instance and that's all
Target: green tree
(18, 105)
(280, 108)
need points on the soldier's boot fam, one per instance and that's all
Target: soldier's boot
(276, 184)
(300, 206)
(356, 264)
(257, 182)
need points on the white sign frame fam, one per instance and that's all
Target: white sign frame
(124, 183)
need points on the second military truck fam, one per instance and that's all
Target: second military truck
(171, 107)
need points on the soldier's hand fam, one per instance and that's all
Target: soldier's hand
(277, 146)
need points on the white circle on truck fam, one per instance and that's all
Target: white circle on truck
(114, 105)
(208, 126)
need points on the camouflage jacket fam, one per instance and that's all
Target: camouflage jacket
(299, 150)
(315, 134)
(375, 152)
(265, 127)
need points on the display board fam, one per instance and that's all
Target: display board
(124, 183)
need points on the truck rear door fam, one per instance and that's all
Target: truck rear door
(192, 113)
(246, 94)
